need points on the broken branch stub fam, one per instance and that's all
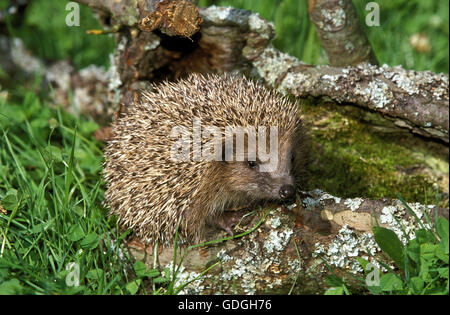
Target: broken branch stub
(173, 18)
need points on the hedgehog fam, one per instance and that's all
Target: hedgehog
(187, 154)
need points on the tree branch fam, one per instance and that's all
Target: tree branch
(341, 33)
(417, 100)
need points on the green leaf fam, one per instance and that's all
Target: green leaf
(424, 236)
(416, 284)
(76, 233)
(335, 291)
(152, 273)
(413, 250)
(53, 153)
(139, 268)
(441, 255)
(160, 280)
(362, 262)
(38, 228)
(11, 199)
(428, 252)
(124, 234)
(133, 286)
(10, 287)
(390, 282)
(90, 241)
(333, 281)
(95, 274)
(443, 272)
(442, 229)
(424, 270)
(390, 244)
(375, 290)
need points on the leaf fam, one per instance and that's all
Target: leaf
(160, 280)
(425, 270)
(375, 290)
(124, 234)
(425, 236)
(151, 273)
(90, 241)
(441, 255)
(335, 291)
(139, 268)
(10, 287)
(38, 228)
(443, 272)
(95, 274)
(428, 252)
(11, 199)
(416, 284)
(133, 286)
(390, 244)
(53, 153)
(413, 250)
(333, 281)
(362, 262)
(390, 282)
(442, 229)
(76, 233)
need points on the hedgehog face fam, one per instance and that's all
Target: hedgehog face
(251, 178)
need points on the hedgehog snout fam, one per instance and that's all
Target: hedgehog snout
(287, 193)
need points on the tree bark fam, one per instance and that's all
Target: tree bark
(417, 100)
(171, 17)
(341, 33)
(288, 250)
(232, 40)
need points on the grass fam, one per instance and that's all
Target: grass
(51, 193)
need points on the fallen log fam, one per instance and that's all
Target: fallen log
(232, 40)
(289, 250)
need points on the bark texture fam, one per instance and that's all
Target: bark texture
(232, 40)
(341, 33)
(288, 250)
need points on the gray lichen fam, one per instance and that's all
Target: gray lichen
(260, 26)
(277, 241)
(334, 19)
(253, 267)
(393, 217)
(345, 247)
(377, 92)
(272, 64)
(353, 204)
(183, 277)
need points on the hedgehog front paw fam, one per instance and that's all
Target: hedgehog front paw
(228, 220)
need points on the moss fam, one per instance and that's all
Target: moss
(351, 160)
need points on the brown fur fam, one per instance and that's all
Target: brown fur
(150, 192)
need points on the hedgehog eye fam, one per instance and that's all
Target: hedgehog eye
(252, 164)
